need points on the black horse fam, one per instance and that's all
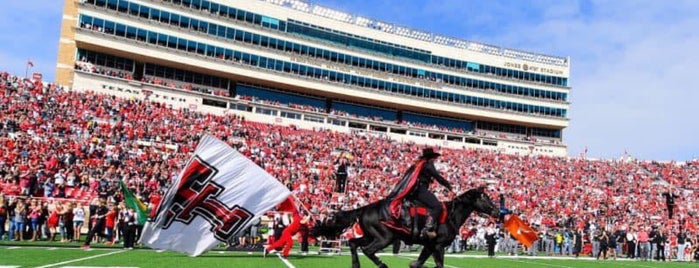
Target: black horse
(377, 235)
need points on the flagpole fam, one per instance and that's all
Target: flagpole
(30, 64)
(301, 203)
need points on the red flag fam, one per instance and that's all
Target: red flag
(521, 231)
(288, 206)
(30, 64)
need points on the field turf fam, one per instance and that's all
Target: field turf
(44, 257)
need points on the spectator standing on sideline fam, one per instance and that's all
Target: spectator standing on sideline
(68, 221)
(613, 242)
(549, 244)
(110, 223)
(3, 216)
(491, 235)
(20, 219)
(130, 220)
(644, 244)
(652, 238)
(578, 242)
(631, 239)
(34, 217)
(681, 240)
(304, 230)
(594, 237)
(98, 226)
(603, 245)
(660, 240)
(78, 221)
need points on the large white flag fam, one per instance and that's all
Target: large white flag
(216, 195)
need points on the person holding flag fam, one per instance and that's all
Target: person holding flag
(130, 220)
(521, 230)
(286, 240)
(132, 202)
(216, 196)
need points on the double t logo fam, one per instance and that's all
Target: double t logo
(197, 196)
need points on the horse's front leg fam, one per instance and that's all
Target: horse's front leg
(424, 254)
(373, 247)
(353, 249)
(438, 256)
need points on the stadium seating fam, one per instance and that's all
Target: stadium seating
(47, 132)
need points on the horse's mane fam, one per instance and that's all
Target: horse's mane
(465, 197)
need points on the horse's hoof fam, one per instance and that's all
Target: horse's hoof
(415, 264)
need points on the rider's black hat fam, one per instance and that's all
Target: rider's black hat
(429, 153)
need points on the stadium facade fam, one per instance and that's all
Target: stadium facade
(295, 63)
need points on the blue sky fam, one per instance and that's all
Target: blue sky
(634, 62)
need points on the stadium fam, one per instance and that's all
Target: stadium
(336, 107)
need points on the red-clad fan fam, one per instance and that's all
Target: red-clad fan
(110, 220)
(286, 240)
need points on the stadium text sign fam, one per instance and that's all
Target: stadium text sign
(527, 67)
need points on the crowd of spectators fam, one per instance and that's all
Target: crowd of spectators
(56, 143)
(86, 66)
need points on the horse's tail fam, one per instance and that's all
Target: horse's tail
(336, 224)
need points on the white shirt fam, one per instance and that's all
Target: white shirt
(78, 214)
(59, 178)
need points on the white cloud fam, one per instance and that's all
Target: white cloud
(632, 63)
(632, 76)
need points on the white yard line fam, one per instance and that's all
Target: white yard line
(82, 259)
(286, 262)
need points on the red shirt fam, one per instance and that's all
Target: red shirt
(110, 217)
(642, 236)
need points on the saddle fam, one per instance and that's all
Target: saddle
(412, 218)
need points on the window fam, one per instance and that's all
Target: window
(290, 115)
(215, 103)
(311, 118)
(265, 111)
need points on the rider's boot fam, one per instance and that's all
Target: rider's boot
(430, 230)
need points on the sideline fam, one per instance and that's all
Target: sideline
(537, 263)
(82, 259)
(519, 257)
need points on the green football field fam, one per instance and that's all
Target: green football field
(71, 257)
